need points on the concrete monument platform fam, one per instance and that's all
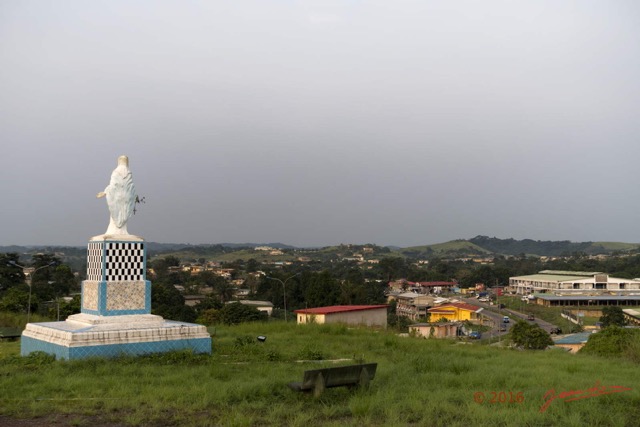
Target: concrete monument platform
(115, 316)
(118, 335)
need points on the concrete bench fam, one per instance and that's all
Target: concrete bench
(10, 333)
(317, 380)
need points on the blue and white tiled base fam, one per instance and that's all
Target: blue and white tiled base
(96, 336)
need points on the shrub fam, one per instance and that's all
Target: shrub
(310, 353)
(530, 336)
(274, 356)
(235, 313)
(32, 360)
(632, 351)
(243, 341)
(612, 341)
(612, 316)
(209, 317)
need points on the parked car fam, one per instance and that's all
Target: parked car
(476, 335)
(531, 317)
(555, 331)
(505, 319)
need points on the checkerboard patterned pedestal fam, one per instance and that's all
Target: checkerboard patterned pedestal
(116, 279)
(116, 307)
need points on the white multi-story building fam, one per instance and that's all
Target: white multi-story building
(574, 283)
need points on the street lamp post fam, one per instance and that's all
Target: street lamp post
(284, 291)
(29, 272)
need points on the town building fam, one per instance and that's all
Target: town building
(573, 283)
(265, 306)
(368, 315)
(421, 287)
(432, 287)
(585, 301)
(574, 342)
(435, 330)
(193, 300)
(414, 305)
(455, 312)
(632, 316)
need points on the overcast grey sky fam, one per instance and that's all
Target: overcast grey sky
(316, 123)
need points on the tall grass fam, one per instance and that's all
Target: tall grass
(243, 383)
(19, 320)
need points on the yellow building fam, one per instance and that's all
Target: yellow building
(369, 315)
(455, 312)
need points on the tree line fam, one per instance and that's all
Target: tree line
(310, 284)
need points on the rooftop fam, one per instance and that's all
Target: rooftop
(435, 324)
(339, 309)
(461, 305)
(549, 277)
(256, 303)
(570, 273)
(410, 295)
(587, 297)
(434, 284)
(579, 338)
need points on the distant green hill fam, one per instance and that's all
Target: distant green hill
(483, 245)
(476, 247)
(549, 248)
(618, 246)
(452, 248)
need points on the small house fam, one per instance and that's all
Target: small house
(435, 330)
(455, 312)
(368, 315)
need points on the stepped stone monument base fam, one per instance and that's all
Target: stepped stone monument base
(82, 336)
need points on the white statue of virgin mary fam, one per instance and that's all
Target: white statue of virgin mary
(121, 197)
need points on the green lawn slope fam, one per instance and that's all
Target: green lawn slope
(244, 383)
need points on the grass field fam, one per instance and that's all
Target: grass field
(244, 383)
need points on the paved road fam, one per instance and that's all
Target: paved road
(495, 314)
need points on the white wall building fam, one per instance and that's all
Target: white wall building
(573, 283)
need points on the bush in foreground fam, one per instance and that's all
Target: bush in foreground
(614, 341)
(530, 336)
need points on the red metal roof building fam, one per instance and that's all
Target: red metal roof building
(369, 315)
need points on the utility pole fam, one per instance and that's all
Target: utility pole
(284, 291)
(29, 272)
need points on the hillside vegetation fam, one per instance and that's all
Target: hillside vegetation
(547, 248)
(244, 382)
(476, 247)
(454, 247)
